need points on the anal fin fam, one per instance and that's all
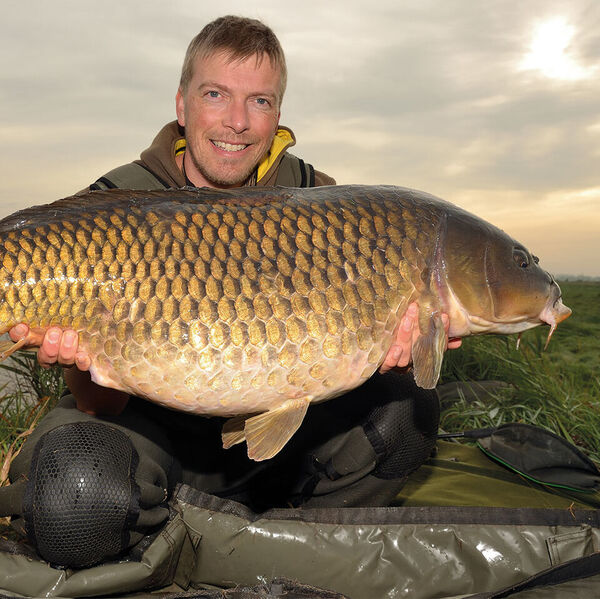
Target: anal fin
(266, 433)
(233, 431)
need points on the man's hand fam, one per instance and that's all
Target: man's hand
(61, 346)
(56, 345)
(400, 354)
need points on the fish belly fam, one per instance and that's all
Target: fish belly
(183, 380)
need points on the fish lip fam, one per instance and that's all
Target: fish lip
(554, 312)
(563, 311)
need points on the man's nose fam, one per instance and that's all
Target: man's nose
(236, 116)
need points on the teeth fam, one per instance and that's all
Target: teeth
(229, 147)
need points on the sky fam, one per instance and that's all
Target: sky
(494, 106)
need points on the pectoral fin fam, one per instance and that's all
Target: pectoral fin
(8, 348)
(266, 433)
(428, 351)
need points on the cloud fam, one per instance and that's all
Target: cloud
(453, 90)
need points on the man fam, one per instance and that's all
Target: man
(227, 134)
(228, 103)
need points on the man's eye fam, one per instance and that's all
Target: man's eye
(213, 94)
(262, 102)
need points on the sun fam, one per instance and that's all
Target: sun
(550, 52)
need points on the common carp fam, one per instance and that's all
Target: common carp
(254, 302)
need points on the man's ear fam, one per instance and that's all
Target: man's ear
(180, 107)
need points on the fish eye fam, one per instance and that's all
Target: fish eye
(521, 258)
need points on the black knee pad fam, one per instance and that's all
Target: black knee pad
(358, 450)
(402, 432)
(81, 499)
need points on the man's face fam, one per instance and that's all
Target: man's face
(230, 112)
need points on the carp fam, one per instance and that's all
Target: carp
(254, 302)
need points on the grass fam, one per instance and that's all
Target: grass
(35, 391)
(557, 388)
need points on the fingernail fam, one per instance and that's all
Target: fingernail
(69, 339)
(20, 330)
(81, 361)
(53, 336)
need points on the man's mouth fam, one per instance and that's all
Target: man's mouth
(229, 147)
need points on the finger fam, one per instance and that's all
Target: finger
(48, 352)
(404, 334)
(403, 350)
(391, 359)
(407, 335)
(452, 342)
(400, 354)
(19, 332)
(82, 361)
(446, 322)
(405, 330)
(68, 348)
(33, 336)
(412, 312)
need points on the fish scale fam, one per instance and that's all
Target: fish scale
(153, 282)
(226, 302)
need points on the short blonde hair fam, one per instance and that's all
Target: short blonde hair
(240, 38)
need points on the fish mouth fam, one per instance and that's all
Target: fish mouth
(554, 313)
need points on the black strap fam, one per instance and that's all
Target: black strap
(302, 172)
(104, 181)
(307, 174)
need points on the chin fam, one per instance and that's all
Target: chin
(230, 179)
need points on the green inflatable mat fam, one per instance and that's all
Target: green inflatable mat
(460, 474)
(464, 526)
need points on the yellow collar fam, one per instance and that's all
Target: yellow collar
(283, 139)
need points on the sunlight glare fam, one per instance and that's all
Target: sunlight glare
(549, 52)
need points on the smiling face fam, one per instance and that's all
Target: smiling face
(230, 111)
